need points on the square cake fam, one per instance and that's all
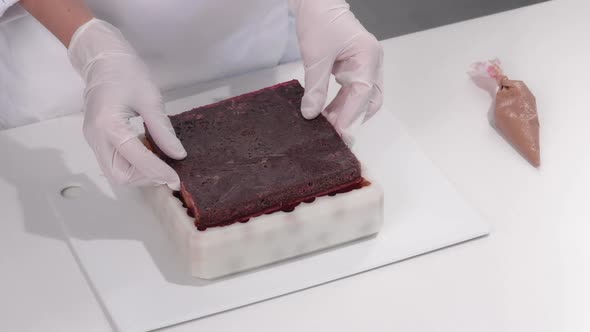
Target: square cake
(255, 154)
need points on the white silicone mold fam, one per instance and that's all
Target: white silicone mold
(220, 251)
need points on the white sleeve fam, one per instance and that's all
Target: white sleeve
(8, 12)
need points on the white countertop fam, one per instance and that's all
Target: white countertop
(529, 275)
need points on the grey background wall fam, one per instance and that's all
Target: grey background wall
(390, 18)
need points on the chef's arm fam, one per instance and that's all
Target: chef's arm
(118, 87)
(61, 17)
(333, 41)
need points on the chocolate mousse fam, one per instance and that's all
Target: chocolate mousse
(516, 118)
(515, 113)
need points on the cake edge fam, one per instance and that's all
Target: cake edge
(188, 200)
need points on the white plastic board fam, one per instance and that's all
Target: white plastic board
(132, 267)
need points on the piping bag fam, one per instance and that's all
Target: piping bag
(515, 113)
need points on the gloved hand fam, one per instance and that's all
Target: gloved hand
(118, 87)
(332, 40)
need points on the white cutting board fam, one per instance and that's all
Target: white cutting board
(138, 279)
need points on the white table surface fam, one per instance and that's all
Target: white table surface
(529, 275)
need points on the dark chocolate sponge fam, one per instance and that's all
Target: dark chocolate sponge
(256, 154)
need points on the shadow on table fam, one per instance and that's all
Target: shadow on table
(26, 170)
(39, 175)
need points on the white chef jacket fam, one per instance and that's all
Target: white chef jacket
(183, 42)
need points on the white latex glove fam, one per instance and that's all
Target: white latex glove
(118, 87)
(333, 41)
